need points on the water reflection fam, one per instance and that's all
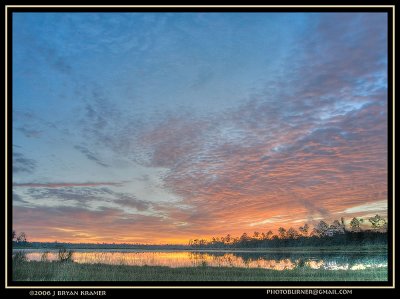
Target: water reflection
(275, 261)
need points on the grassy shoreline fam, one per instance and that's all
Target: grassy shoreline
(57, 271)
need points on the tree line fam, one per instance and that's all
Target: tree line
(20, 238)
(322, 234)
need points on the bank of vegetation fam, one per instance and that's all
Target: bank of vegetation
(323, 235)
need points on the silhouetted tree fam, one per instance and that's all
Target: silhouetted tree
(336, 228)
(355, 224)
(244, 237)
(304, 230)
(282, 233)
(202, 242)
(21, 238)
(292, 233)
(377, 222)
(321, 228)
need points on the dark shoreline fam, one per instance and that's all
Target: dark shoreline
(305, 249)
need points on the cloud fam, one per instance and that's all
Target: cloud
(173, 140)
(21, 164)
(88, 196)
(105, 225)
(90, 155)
(127, 200)
(311, 143)
(17, 198)
(314, 209)
(273, 219)
(294, 143)
(29, 133)
(61, 185)
(232, 181)
(45, 53)
(103, 125)
(341, 58)
(368, 207)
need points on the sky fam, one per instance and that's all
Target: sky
(164, 127)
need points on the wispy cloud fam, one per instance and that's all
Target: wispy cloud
(62, 185)
(377, 206)
(90, 155)
(23, 164)
(273, 219)
(30, 133)
(90, 197)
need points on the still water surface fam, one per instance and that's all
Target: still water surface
(276, 261)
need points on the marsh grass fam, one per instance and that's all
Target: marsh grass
(44, 257)
(60, 271)
(64, 255)
(19, 257)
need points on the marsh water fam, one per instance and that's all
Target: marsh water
(267, 260)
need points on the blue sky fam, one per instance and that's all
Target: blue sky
(190, 124)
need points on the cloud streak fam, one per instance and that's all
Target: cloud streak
(90, 155)
(62, 185)
(23, 164)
